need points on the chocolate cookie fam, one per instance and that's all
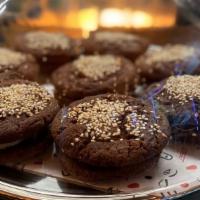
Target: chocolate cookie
(95, 74)
(179, 98)
(22, 63)
(118, 43)
(101, 136)
(50, 49)
(160, 63)
(26, 110)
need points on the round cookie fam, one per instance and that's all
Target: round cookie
(24, 64)
(103, 135)
(160, 63)
(50, 49)
(94, 74)
(9, 75)
(26, 110)
(118, 43)
(179, 98)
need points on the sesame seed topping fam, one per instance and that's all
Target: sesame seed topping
(45, 40)
(103, 120)
(183, 88)
(115, 36)
(23, 99)
(76, 139)
(10, 59)
(170, 53)
(96, 66)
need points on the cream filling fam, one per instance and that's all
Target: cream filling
(10, 144)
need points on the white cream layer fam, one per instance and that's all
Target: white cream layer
(11, 144)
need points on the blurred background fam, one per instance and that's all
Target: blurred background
(77, 18)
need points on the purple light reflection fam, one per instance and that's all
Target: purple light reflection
(191, 64)
(151, 97)
(196, 115)
(177, 70)
(64, 114)
(134, 119)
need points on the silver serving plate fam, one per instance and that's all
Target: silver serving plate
(47, 188)
(25, 183)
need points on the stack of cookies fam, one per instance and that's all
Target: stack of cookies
(26, 111)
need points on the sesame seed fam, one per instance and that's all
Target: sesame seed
(170, 53)
(194, 134)
(20, 99)
(97, 66)
(102, 119)
(77, 139)
(116, 37)
(183, 88)
(10, 59)
(164, 135)
(45, 40)
(82, 135)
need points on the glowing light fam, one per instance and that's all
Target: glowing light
(46, 19)
(79, 21)
(112, 17)
(165, 20)
(140, 19)
(88, 20)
